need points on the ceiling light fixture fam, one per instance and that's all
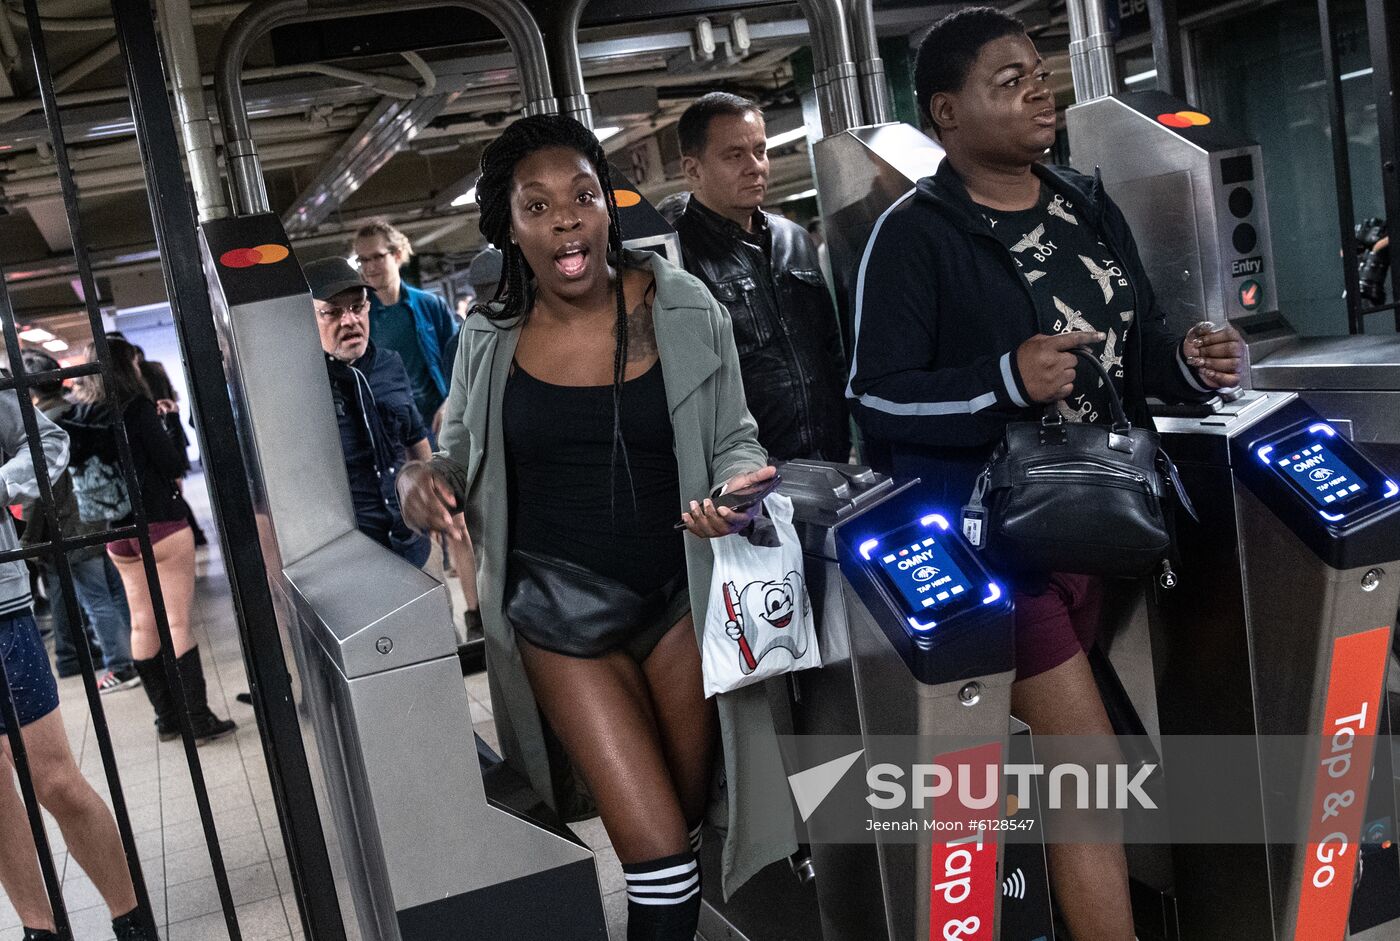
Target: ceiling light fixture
(466, 199)
(55, 345)
(35, 335)
(603, 133)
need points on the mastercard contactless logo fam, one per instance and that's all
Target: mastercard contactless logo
(260, 255)
(1184, 119)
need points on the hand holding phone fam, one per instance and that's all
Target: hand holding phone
(706, 515)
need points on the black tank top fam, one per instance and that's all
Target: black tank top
(566, 498)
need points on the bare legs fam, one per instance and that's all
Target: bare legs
(642, 736)
(1090, 880)
(87, 825)
(175, 558)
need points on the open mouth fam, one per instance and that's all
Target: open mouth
(571, 260)
(783, 621)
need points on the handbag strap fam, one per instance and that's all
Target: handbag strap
(1121, 425)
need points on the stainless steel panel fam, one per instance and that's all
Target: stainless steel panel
(1172, 255)
(283, 403)
(1333, 363)
(410, 621)
(861, 173)
(443, 839)
(1144, 165)
(893, 703)
(1293, 624)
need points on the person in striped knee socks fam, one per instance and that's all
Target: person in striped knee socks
(663, 898)
(592, 478)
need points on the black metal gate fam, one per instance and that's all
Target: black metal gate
(174, 224)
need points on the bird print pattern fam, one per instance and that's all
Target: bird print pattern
(1077, 285)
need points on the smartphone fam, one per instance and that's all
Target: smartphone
(744, 498)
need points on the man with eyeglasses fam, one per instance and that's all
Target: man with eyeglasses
(415, 324)
(380, 426)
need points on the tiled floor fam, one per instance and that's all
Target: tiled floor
(160, 798)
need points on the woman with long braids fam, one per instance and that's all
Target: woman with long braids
(596, 401)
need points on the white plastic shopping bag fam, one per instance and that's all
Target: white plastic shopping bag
(759, 622)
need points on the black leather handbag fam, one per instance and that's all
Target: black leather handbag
(564, 607)
(1068, 497)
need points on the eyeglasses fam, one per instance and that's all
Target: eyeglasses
(335, 313)
(367, 259)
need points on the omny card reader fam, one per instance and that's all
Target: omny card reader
(1333, 497)
(922, 580)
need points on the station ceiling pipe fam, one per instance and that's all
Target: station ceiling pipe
(1091, 63)
(187, 79)
(521, 31)
(568, 67)
(870, 68)
(835, 78)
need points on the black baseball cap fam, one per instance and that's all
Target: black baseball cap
(329, 276)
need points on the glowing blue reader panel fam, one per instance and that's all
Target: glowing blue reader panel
(1327, 471)
(918, 563)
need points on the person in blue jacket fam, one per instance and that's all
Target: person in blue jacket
(380, 426)
(414, 324)
(972, 290)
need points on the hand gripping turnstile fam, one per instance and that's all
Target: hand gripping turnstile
(915, 639)
(426, 851)
(1280, 625)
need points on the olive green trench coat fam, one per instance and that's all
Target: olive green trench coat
(715, 438)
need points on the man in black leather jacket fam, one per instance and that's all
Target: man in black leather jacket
(764, 269)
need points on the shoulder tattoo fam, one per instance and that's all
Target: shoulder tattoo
(641, 332)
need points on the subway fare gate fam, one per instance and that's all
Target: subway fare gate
(1278, 632)
(429, 835)
(915, 636)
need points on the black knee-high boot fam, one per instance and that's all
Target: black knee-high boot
(205, 724)
(152, 673)
(663, 898)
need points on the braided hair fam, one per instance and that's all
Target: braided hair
(515, 291)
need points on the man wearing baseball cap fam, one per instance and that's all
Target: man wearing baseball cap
(380, 427)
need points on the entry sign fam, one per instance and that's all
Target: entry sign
(1339, 797)
(963, 900)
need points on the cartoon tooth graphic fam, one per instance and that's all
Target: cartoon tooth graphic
(759, 618)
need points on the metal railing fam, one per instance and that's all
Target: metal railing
(174, 223)
(56, 551)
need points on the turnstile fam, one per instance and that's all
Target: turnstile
(1193, 190)
(426, 851)
(916, 641)
(1280, 625)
